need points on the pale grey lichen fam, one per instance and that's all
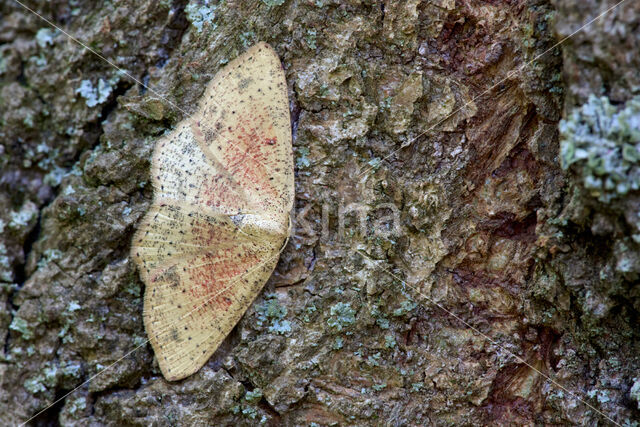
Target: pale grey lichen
(73, 306)
(6, 272)
(302, 161)
(338, 344)
(281, 327)
(200, 14)
(379, 387)
(69, 190)
(19, 324)
(389, 341)
(97, 95)
(310, 38)
(635, 391)
(24, 217)
(71, 369)
(55, 176)
(50, 374)
(602, 396)
(374, 359)
(602, 146)
(48, 378)
(253, 396)
(342, 315)
(45, 36)
(76, 405)
(250, 412)
(49, 255)
(3, 64)
(273, 2)
(406, 307)
(417, 387)
(35, 384)
(270, 311)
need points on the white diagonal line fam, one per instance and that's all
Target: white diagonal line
(509, 75)
(486, 337)
(121, 70)
(211, 298)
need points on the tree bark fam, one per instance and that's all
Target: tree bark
(445, 267)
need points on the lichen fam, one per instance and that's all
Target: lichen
(379, 387)
(6, 272)
(310, 38)
(35, 385)
(76, 405)
(272, 3)
(250, 412)
(281, 327)
(271, 312)
(97, 95)
(49, 255)
(50, 375)
(302, 161)
(253, 396)
(405, 308)
(25, 217)
(389, 341)
(342, 315)
(45, 36)
(601, 144)
(19, 324)
(374, 359)
(417, 387)
(71, 369)
(201, 14)
(634, 393)
(248, 407)
(54, 176)
(73, 306)
(380, 317)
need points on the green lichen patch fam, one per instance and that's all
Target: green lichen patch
(405, 308)
(74, 408)
(302, 161)
(35, 385)
(24, 218)
(253, 396)
(272, 3)
(270, 312)
(389, 341)
(601, 144)
(6, 271)
(201, 14)
(635, 391)
(342, 316)
(19, 324)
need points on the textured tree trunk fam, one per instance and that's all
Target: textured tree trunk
(456, 259)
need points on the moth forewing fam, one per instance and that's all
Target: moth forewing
(223, 190)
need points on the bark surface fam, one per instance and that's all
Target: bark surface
(456, 258)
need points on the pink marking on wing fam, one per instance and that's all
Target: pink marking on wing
(216, 279)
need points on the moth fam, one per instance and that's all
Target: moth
(222, 195)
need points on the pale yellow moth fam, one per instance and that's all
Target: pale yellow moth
(223, 192)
